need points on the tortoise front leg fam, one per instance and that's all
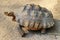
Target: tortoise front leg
(23, 30)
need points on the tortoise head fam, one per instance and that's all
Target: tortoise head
(11, 14)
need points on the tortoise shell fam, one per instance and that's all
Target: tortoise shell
(35, 17)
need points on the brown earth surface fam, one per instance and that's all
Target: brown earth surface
(9, 29)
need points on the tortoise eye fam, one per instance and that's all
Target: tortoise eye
(10, 14)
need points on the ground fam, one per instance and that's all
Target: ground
(9, 29)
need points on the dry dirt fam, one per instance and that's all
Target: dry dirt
(9, 30)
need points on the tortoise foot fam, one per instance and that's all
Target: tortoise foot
(43, 31)
(24, 35)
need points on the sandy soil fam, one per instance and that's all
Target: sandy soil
(9, 30)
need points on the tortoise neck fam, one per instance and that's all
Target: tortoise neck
(13, 17)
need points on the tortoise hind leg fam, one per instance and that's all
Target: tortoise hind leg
(43, 31)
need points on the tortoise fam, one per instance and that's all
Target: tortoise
(33, 17)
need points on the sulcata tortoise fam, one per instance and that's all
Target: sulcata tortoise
(33, 17)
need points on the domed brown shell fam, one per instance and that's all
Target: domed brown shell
(35, 16)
